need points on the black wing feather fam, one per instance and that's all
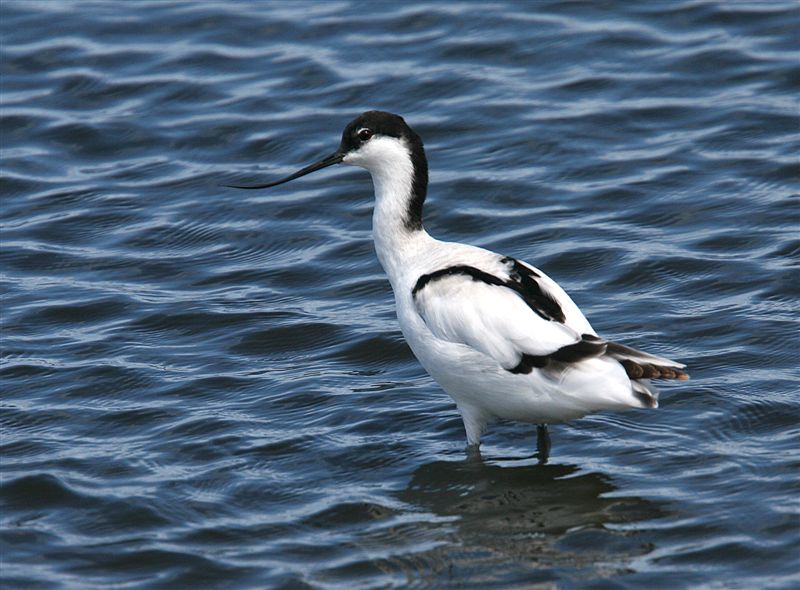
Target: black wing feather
(521, 279)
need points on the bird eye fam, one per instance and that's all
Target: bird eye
(364, 134)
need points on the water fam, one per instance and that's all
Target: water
(207, 388)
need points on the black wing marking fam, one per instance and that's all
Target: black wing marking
(588, 346)
(637, 365)
(460, 269)
(521, 280)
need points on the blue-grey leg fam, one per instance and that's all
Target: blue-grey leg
(543, 443)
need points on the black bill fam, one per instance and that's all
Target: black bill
(334, 158)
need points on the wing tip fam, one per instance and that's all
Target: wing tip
(649, 371)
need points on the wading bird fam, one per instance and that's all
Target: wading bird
(499, 335)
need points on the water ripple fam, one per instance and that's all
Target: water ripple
(209, 386)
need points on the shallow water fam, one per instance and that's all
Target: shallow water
(208, 388)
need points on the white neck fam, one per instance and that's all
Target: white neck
(394, 241)
(389, 162)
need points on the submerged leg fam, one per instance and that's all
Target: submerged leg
(474, 454)
(543, 443)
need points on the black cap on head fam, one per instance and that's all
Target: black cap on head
(361, 129)
(370, 123)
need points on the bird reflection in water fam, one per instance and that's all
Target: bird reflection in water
(526, 522)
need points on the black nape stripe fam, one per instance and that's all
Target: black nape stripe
(588, 347)
(419, 185)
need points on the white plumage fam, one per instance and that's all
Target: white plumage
(499, 336)
(468, 334)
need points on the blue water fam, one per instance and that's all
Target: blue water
(207, 388)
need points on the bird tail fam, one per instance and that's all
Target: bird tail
(645, 392)
(642, 365)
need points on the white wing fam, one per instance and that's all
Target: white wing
(492, 318)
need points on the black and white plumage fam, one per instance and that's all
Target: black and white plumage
(500, 336)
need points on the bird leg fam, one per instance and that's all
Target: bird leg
(474, 454)
(542, 443)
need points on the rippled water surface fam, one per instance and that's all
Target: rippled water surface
(207, 388)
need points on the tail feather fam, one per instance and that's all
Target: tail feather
(642, 365)
(646, 393)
